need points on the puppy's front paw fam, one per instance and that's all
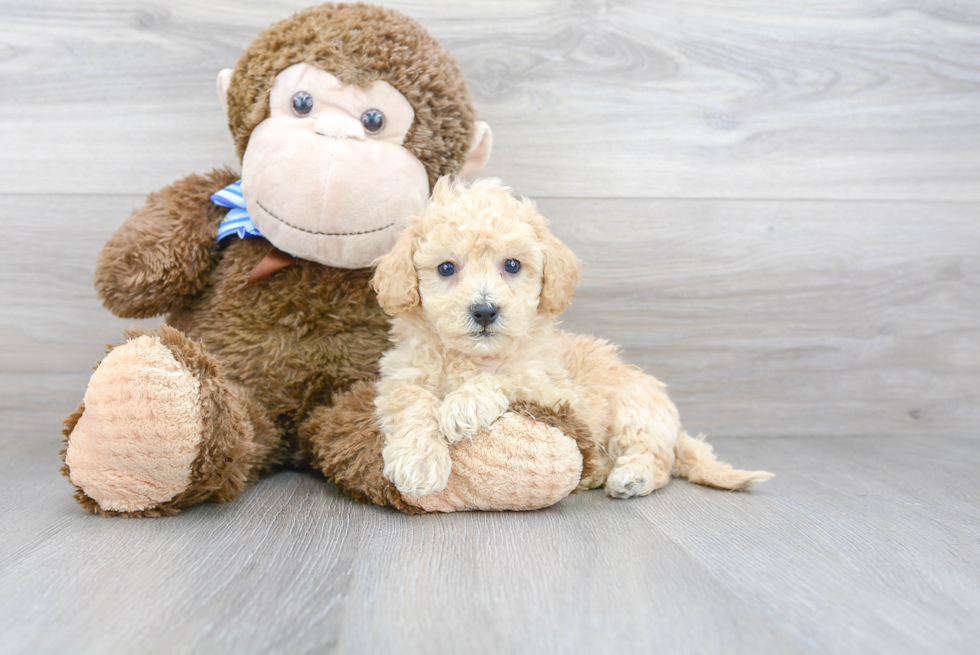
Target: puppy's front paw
(418, 469)
(465, 412)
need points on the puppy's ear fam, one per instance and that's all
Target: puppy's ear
(395, 279)
(561, 273)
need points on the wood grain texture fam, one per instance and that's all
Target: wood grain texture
(700, 99)
(804, 318)
(852, 548)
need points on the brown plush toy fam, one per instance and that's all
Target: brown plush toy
(344, 117)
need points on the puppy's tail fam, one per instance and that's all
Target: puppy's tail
(696, 461)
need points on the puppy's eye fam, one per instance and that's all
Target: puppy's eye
(512, 266)
(373, 121)
(302, 103)
(447, 269)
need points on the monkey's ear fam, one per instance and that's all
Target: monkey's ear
(224, 80)
(561, 273)
(395, 280)
(479, 152)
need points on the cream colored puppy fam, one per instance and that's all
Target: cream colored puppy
(475, 284)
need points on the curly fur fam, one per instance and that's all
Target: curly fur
(448, 377)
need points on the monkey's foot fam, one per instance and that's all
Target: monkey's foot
(516, 464)
(529, 458)
(144, 442)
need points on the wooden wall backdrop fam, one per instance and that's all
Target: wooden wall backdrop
(778, 205)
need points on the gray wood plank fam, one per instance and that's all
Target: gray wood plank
(218, 580)
(702, 99)
(573, 579)
(845, 551)
(53, 328)
(849, 544)
(766, 318)
(36, 506)
(774, 318)
(292, 568)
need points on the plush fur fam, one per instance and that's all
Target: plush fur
(144, 402)
(165, 252)
(237, 439)
(282, 368)
(448, 377)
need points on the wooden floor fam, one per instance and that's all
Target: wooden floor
(778, 205)
(860, 545)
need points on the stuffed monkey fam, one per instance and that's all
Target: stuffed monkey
(344, 116)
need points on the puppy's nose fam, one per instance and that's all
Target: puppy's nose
(485, 313)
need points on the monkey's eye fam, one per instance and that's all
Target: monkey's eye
(373, 121)
(302, 103)
(512, 266)
(447, 269)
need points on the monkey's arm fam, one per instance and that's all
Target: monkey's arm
(164, 251)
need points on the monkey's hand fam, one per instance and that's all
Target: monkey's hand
(163, 252)
(471, 408)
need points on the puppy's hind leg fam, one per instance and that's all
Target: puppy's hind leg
(638, 474)
(641, 441)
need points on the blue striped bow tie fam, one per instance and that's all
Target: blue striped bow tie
(237, 221)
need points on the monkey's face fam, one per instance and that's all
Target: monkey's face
(325, 177)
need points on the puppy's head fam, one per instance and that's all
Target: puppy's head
(479, 265)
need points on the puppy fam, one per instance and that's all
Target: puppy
(475, 285)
